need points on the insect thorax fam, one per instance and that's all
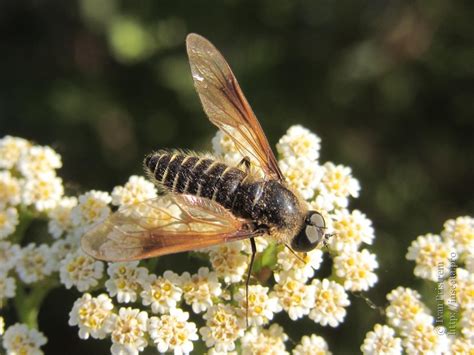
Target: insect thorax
(281, 210)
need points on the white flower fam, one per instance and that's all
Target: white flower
(173, 332)
(7, 287)
(91, 315)
(469, 262)
(34, 263)
(302, 174)
(420, 337)
(19, 339)
(136, 190)
(295, 297)
(63, 247)
(228, 262)
(224, 146)
(44, 191)
(323, 202)
(10, 190)
(461, 346)
(312, 345)
(405, 307)
(431, 255)
(8, 221)
(261, 304)
(350, 229)
(11, 148)
(460, 231)
(459, 291)
(81, 271)
(153, 213)
(8, 254)
(213, 351)
(261, 243)
(226, 150)
(162, 293)
(200, 289)
(330, 303)
(128, 331)
(338, 184)
(38, 160)
(302, 266)
(126, 280)
(381, 340)
(223, 327)
(60, 216)
(299, 142)
(264, 341)
(467, 324)
(92, 208)
(356, 268)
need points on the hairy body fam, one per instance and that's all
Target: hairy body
(274, 208)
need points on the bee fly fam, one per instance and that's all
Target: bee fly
(218, 203)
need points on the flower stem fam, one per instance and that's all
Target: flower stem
(26, 217)
(28, 301)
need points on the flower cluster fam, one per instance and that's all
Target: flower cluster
(29, 188)
(135, 305)
(27, 178)
(412, 327)
(19, 339)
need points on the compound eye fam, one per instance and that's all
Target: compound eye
(307, 239)
(317, 220)
(314, 234)
(311, 234)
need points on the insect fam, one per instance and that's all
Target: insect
(214, 202)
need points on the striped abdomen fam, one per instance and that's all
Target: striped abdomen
(204, 177)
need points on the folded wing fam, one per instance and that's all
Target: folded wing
(165, 225)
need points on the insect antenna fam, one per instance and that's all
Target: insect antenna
(369, 302)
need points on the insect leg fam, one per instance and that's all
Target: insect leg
(326, 239)
(245, 162)
(294, 253)
(252, 259)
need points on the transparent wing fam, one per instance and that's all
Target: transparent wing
(226, 105)
(164, 225)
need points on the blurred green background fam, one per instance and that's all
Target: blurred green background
(387, 85)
